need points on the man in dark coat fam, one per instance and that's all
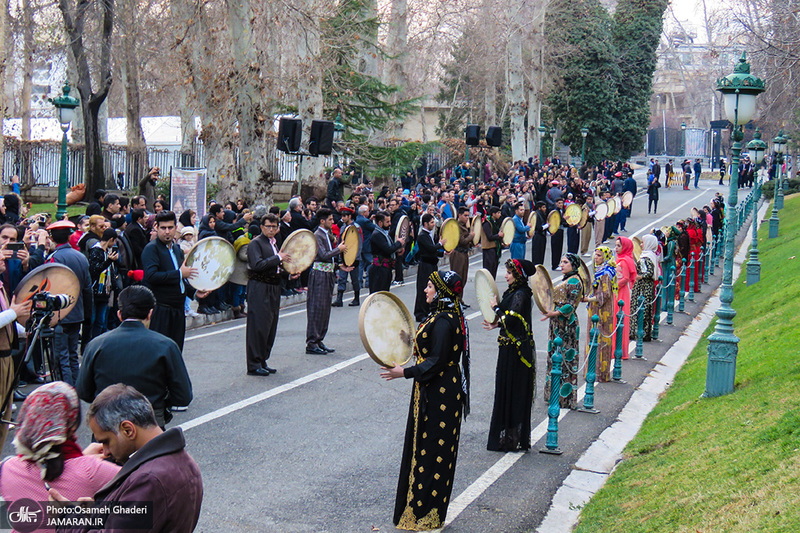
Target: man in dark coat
(167, 276)
(429, 254)
(137, 237)
(384, 248)
(67, 332)
(539, 242)
(491, 240)
(264, 273)
(136, 356)
(156, 470)
(320, 285)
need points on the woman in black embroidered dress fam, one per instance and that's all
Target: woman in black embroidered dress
(440, 396)
(510, 428)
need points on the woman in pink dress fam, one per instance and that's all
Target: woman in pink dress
(47, 451)
(626, 277)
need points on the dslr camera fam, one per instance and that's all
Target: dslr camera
(44, 303)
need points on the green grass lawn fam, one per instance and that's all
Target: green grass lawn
(730, 463)
(51, 208)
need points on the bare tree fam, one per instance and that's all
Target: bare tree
(129, 27)
(92, 98)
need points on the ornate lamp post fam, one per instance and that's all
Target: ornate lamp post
(683, 139)
(758, 148)
(739, 91)
(65, 105)
(338, 131)
(584, 133)
(778, 145)
(542, 129)
(553, 142)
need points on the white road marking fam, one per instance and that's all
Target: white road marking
(239, 326)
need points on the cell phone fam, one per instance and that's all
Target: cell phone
(16, 246)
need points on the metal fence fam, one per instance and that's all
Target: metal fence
(39, 162)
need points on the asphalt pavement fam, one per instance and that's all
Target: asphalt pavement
(317, 446)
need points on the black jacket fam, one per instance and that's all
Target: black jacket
(138, 240)
(161, 276)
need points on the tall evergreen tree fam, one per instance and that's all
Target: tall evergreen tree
(637, 30)
(587, 75)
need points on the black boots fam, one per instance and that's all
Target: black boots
(338, 302)
(355, 302)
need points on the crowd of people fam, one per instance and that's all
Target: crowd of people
(136, 292)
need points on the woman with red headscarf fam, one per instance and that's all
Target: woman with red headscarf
(47, 451)
(695, 248)
(626, 274)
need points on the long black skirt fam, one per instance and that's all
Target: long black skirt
(510, 428)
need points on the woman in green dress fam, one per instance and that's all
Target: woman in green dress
(564, 323)
(602, 303)
(439, 398)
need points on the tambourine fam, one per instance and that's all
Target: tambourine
(213, 257)
(301, 246)
(553, 221)
(601, 211)
(476, 226)
(53, 278)
(351, 239)
(572, 214)
(485, 288)
(387, 329)
(450, 233)
(627, 199)
(542, 287)
(507, 227)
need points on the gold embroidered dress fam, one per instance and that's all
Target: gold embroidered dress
(566, 297)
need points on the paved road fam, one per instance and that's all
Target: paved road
(316, 447)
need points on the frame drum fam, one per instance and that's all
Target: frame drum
(627, 199)
(617, 205)
(612, 206)
(477, 229)
(213, 257)
(54, 278)
(485, 287)
(450, 232)
(584, 216)
(553, 221)
(586, 277)
(403, 224)
(601, 211)
(352, 240)
(387, 329)
(301, 245)
(532, 224)
(572, 214)
(637, 248)
(542, 287)
(507, 227)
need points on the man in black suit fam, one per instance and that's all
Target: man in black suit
(429, 254)
(131, 354)
(137, 237)
(384, 248)
(167, 276)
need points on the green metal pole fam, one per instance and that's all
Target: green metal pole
(692, 263)
(671, 295)
(616, 374)
(704, 265)
(591, 369)
(551, 445)
(781, 179)
(753, 264)
(723, 345)
(657, 315)
(682, 282)
(583, 151)
(63, 181)
(639, 327)
(774, 222)
(712, 257)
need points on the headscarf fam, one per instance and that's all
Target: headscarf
(609, 268)
(522, 269)
(49, 417)
(650, 251)
(575, 261)
(449, 289)
(626, 257)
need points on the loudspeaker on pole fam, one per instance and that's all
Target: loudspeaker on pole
(321, 140)
(473, 135)
(494, 137)
(290, 131)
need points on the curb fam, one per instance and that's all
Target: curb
(598, 462)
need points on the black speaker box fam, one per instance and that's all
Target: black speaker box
(290, 132)
(321, 140)
(473, 135)
(494, 137)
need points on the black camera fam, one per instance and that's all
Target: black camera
(44, 302)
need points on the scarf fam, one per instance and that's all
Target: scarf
(449, 289)
(607, 268)
(626, 257)
(575, 261)
(650, 251)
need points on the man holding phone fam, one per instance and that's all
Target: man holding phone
(147, 187)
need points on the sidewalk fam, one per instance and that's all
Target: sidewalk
(598, 462)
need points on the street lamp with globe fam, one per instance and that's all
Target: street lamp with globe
(65, 105)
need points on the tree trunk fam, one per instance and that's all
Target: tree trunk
(74, 24)
(188, 129)
(253, 181)
(29, 48)
(394, 72)
(3, 58)
(129, 70)
(533, 122)
(76, 131)
(516, 95)
(309, 87)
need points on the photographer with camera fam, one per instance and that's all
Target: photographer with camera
(103, 260)
(147, 187)
(67, 332)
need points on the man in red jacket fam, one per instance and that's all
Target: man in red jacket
(156, 469)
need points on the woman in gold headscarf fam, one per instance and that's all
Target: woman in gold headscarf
(602, 303)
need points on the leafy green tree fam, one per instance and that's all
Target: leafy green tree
(637, 30)
(584, 61)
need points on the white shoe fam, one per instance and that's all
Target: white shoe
(192, 313)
